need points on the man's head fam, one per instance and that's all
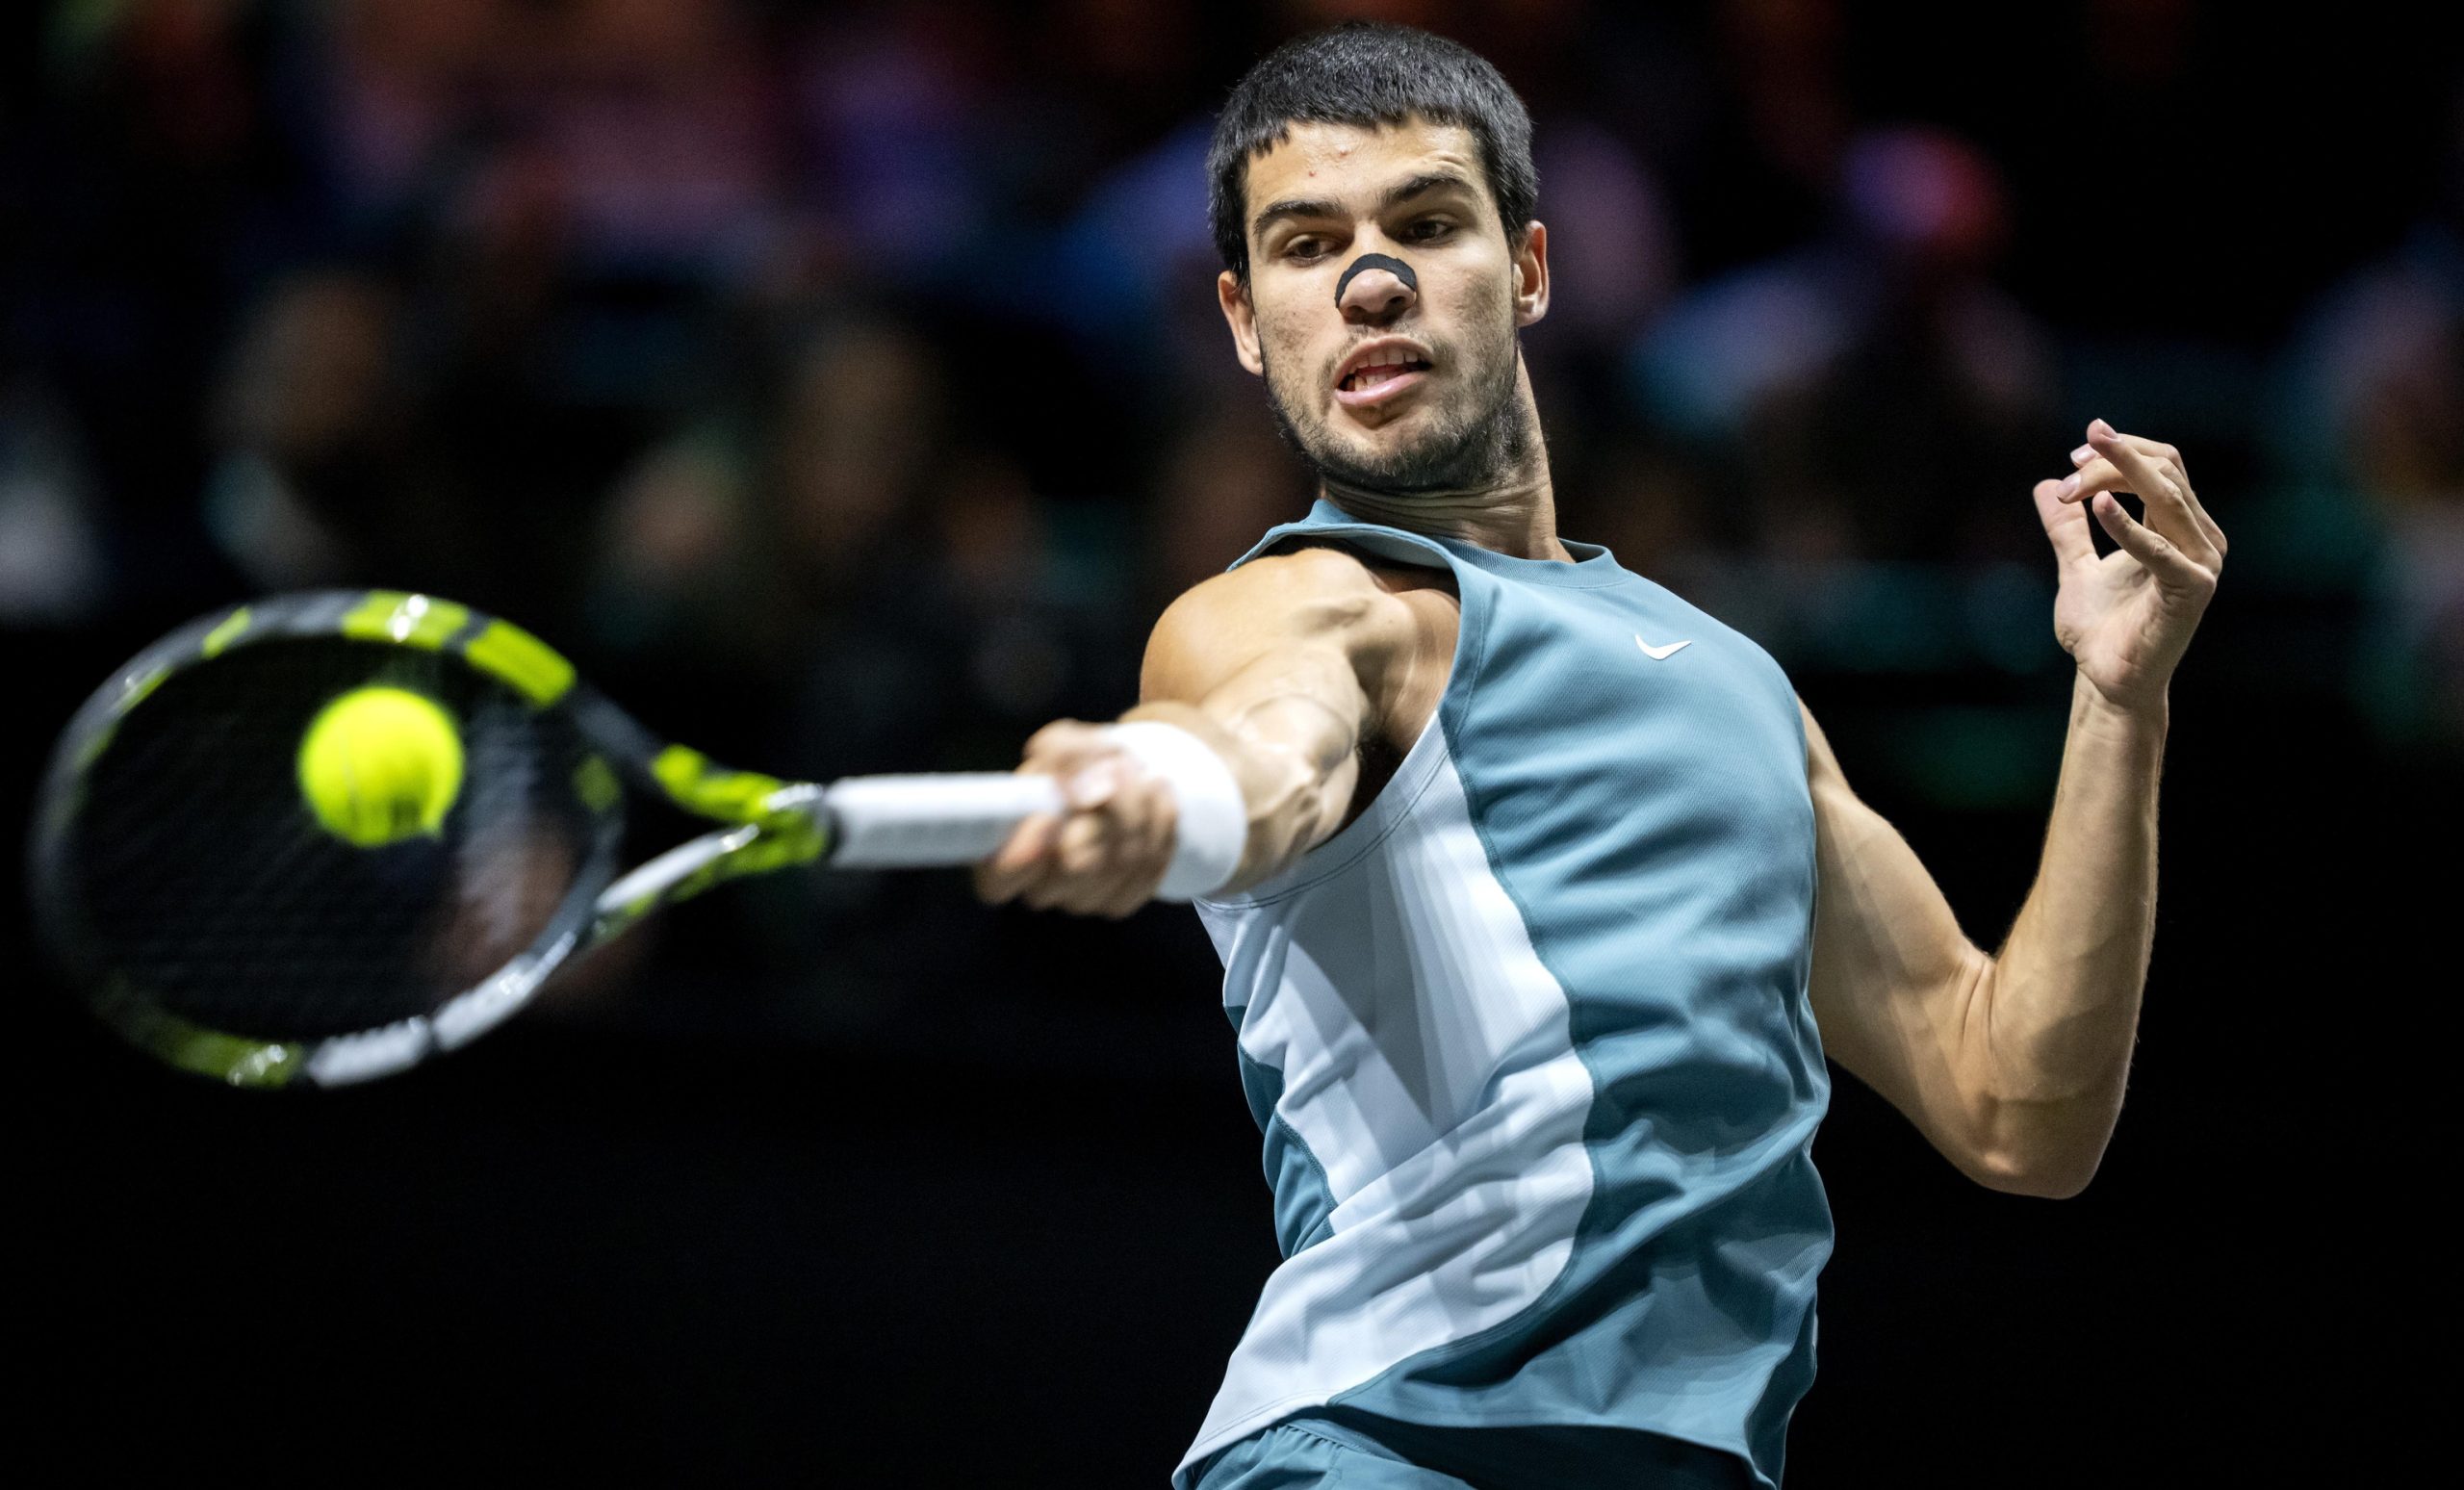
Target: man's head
(1372, 196)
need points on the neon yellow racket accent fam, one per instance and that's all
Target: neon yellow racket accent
(699, 786)
(596, 784)
(231, 1058)
(410, 620)
(223, 636)
(133, 692)
(537, 671)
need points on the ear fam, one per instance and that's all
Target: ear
(1243, 317)
(1532, 274)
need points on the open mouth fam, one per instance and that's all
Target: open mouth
(1379, 373)
(1361, 379)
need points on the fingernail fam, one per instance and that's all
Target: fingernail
(2101, 428)
(2069, 487)
(2084, 452)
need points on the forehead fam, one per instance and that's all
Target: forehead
(1350, 164)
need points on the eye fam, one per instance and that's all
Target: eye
(1428, 230)
(1304, 248)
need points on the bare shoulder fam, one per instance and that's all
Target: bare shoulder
(1822, 767)
(1316, 597)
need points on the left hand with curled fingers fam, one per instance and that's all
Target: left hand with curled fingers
(1107, 852)
(2127, 616)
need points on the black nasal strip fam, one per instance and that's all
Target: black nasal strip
(1370, 261)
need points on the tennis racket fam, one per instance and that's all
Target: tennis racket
(182, 880)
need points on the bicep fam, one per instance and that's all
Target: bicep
(1894, 980)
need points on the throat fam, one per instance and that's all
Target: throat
(1519, 522)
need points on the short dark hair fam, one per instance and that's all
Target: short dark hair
(1366, 73)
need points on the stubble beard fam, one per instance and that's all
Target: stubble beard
(1480, 441)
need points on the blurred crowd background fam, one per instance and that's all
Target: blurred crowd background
(842, 387)
(845, 389)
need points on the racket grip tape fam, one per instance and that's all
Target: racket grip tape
(925, 821)
(951, 818)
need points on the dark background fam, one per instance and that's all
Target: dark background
(842, 389)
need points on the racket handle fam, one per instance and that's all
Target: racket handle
(913, 822)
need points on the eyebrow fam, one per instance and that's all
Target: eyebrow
(1319, 207)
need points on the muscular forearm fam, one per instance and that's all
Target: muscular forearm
(1294, 759)
(2058, 1009)
(1259, 674)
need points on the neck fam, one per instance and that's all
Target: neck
(1514, 514)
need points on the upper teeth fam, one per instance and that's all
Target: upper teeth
(1397, 363)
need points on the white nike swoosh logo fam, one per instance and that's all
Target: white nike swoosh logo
(1660, 653)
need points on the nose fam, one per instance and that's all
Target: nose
(1374, 297)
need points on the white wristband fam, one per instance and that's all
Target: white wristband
(1213, 826)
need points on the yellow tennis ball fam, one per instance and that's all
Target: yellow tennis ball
(378, 765)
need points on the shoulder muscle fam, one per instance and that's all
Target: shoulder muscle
(1318, 599)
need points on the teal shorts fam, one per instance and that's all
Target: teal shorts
(1316, 1452)
(1310, 1454)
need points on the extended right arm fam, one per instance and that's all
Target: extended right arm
(1277, 668)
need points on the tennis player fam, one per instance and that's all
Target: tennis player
(1539, 895)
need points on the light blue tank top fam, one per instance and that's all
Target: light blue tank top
(1530, 1047)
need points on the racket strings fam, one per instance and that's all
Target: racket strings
(195, 877)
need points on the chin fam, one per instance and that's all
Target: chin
(1393, 437)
